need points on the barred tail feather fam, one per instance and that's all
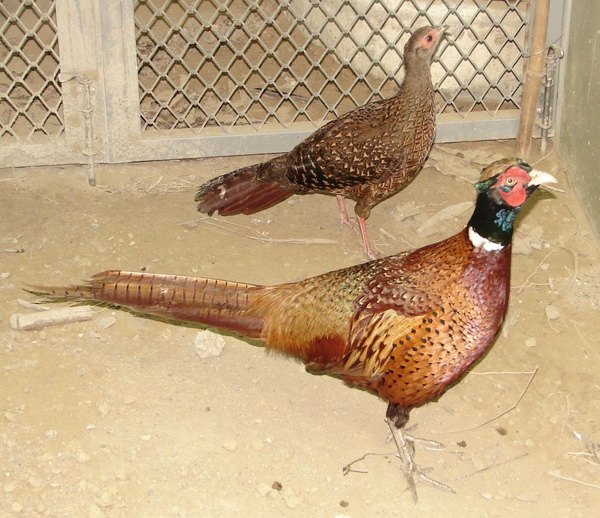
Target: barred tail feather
(238, 192)
(222, 304)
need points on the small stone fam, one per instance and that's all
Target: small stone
(146, 438)
(264, 489)
(106, 322)
(291, 500)
(530, 342)
(105, 499)
(34, 482)
(121, 475)
(487, 496)
(9, 416)
(17, 508)
(230, 445)
(527, 497)
(82, 457)
(552, 312)
(208, 344)
(103, 409)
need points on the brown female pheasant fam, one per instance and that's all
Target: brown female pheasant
(404, 327)
(367, 155)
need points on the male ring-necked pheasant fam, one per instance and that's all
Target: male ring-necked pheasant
(404, 327)
(367, 155)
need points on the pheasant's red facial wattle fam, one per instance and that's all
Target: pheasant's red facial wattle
(511, 186)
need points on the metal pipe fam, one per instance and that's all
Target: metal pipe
(533, 77)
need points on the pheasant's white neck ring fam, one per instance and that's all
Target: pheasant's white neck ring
(480, 241)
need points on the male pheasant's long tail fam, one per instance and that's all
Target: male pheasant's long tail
(240, 192)
(222, 304)
(307, 319)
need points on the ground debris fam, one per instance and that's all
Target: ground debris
(432, 225)
(461, 163)
(22, 322)
(208, 344)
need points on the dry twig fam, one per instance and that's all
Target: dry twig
(569, 479)
(491, 466)
(222, 225)
(501, 414)
(348, 467)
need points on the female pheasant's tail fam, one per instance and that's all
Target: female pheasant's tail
(240, 192)
(222, 304)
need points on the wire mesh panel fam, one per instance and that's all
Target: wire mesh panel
(166, 79)
(222, 66)
(30, 93)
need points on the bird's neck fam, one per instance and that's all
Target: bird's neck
(416, 73)
(491, 224)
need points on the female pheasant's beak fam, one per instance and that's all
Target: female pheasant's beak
(540, 178)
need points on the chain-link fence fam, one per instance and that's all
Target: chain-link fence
(159, 79)
(234, 63)
(31, 101)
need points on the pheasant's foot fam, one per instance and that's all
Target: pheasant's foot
(427, 443)
(405, 445)
(344, 218)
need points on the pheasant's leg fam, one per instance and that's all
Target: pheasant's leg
(362, 227)
(406, 451)
(344, 219)
(363, 232)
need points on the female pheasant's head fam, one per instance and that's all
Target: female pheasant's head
(504, 186)
(421, 47)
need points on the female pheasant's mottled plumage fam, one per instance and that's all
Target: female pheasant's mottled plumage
(367, 155)
(405, 326)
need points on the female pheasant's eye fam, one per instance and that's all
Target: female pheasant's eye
(429, 38)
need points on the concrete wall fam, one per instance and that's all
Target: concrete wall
(578, 131)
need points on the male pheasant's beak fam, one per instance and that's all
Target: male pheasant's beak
(540, 178)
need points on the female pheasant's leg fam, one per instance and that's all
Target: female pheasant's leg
(363, 232)
(362, 227)
(344, 218)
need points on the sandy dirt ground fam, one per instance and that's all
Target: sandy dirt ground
(119, 416)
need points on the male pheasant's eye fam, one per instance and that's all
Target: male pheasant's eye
(510, 182)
